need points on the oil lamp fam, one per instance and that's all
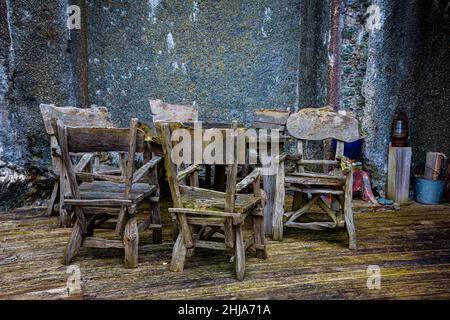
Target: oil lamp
(399, 134)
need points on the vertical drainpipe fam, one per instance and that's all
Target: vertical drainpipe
(334, 56)
(80, 51)
(334, 69)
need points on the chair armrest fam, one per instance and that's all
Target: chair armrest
(251, 178)
(143, 170)
(186, 172)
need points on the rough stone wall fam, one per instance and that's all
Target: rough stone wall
(430, 126)
(227, 57)
(379, 72)
(35, 68)
(313, 53)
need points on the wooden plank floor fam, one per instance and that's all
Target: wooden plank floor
(411, 246)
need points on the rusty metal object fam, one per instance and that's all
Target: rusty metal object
(334, 54)
(80, 53)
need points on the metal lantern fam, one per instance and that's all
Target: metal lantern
(399, 135)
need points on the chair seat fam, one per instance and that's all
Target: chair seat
(197, 198)
(111, 190)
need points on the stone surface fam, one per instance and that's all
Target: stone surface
(228, 58)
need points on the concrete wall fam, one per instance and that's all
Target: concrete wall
(402, 65)
(229, 58)
(430, 127)
(35, 68)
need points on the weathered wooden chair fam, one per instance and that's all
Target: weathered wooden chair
(203, 213)
(101, 196)
(317, 124)
(73, 117)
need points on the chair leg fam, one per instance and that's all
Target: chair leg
(156, 219)
(64, 216)
(278, 213)
(348, 213)
(240, 253)
(259, 236)
(74, 244)
(54, 196)
(178, 255)
(131, 243)
(350, 225)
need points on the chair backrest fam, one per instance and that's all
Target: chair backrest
(86, 140)
(72, 117)
(271, 119)
(321, 124)
(317, 124)
(173, 112)
(75, 117)
(165, 131)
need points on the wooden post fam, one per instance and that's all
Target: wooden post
(278, 212)
(334, 54)
(399, 174)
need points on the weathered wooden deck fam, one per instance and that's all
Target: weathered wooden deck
(411, 246)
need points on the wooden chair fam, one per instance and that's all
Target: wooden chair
(202, 213)
(73, 117)
(101, 197)
(317, 124)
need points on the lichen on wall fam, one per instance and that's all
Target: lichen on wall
(378, 72)
(227, 57)
(35, 68)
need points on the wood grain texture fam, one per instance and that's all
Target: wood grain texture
(412, 247)
(173, 112)
(321, 124)
(94, 139)
(399, 169)
(75, 117)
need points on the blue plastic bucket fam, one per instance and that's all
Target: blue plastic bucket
(430, 191)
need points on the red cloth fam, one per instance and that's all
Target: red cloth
(361, 183)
